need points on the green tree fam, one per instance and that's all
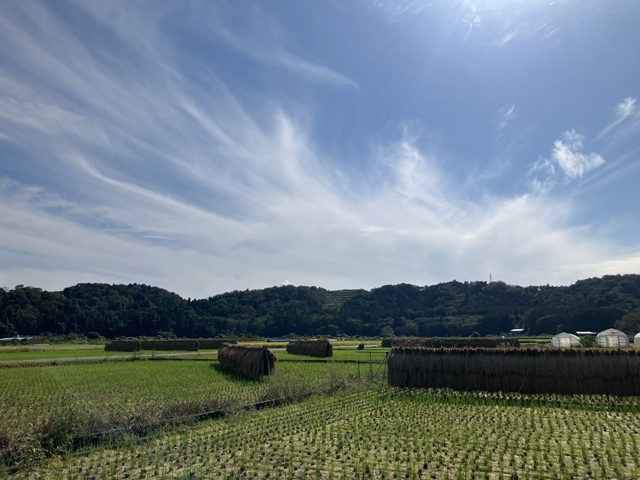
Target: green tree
(387, 332)
(630, 323)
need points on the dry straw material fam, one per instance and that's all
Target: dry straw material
(122, 346)
(412, 342)
(213, 343)
(614, 372)
(314, 348)
(251, 361)
(451, 342)
(189, 345)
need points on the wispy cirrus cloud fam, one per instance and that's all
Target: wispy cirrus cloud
(506, 115)
(159, 171)
(276, 55)
(267, 45)
(626, 109)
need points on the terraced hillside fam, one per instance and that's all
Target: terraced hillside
(335, 299)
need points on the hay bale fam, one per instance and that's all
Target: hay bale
(189, 345)
(517, 370)
(251, 361)
(122, 346)
(214, 343)
(313, 348)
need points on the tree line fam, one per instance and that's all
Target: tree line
(446, 309)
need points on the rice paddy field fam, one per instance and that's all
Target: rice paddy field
(55, 352)
(382, 433)
(100, 396)
(39, 352)
(331, 422)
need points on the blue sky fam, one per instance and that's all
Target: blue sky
(212, 146)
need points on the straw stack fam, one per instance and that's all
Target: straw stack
(614, 372)
(314, 348)
(122, 346)
(251, 361)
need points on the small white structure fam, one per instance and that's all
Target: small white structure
(565, 340)
(636, 339)
(612, 338)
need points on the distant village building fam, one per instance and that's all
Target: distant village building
(516, 331)
(584, 333)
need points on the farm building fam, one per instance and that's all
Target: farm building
(612, 338)
(251, 361)
(565, 340)
(636, 339)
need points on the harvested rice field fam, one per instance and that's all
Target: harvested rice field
(383, 434)
(150, 419)
(96, 397)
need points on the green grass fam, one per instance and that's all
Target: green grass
(29, 352)
(41, 352)
(377, 354)
(378, 434)
(68, 350)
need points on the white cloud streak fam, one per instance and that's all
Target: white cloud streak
(270, 49)
(626, 109)
(506, 115)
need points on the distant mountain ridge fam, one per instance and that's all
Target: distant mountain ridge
(445, 309)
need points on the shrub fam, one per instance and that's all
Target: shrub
(588, 341)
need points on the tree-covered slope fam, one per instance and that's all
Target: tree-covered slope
(451, 308)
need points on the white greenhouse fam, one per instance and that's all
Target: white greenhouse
(636, 339)
(612, 338)
(565, 340)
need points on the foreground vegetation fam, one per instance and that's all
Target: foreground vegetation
(189, 418)
(81, 400)
(384, 434)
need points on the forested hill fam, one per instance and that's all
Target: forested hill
(446, 309)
